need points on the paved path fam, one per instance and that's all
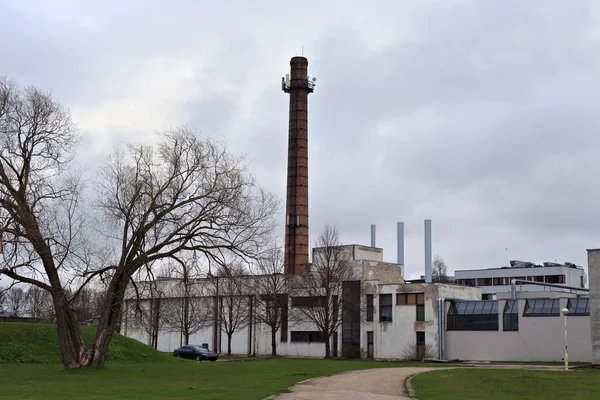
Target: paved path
(377, 383)
(368, 384)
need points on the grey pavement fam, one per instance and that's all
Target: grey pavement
(368, 384)
(376, 384)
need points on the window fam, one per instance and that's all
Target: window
(417, 299)
(555, 279)
(579, 306)
(498, 281)
(511, 316)
(370, 344)
(538, 278)
(420, 345)
(487, 296)
(308, 336)
(466, 282)
(308, 301)
(473, 316)
(370, 307)
(385, 308)
(542, 308)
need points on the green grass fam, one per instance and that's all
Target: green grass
(496, 384)
(182, 380)
(38, 344)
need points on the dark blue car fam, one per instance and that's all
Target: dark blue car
(195, 352)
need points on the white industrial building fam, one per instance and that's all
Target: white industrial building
(530, 277)
(396, 320)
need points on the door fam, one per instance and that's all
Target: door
(369, 344)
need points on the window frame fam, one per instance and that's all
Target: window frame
(541, 308)
(386, 307)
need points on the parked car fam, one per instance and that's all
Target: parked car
(195, 352)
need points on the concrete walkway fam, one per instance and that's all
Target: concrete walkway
(368, 384)
(377, 383)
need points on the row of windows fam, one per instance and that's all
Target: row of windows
(507, 280)
(402, 299)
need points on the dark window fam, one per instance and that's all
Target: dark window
(308, 301)
(420, 312)
(420, 345)
(284, 317)
(473, 316)
(542, 308)
(487, 296)
(511, 316)
(498, 281)
(370, 307)
(385, 308)
(308, 336)
(555, 279)
(369, 344)
(538, 278)
(579, 306)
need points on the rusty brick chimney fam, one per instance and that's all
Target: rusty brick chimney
(298, 86)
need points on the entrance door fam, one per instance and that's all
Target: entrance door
(369, 344)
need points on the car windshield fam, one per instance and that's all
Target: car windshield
(198, 348)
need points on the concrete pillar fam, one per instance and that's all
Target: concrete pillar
(594, 279)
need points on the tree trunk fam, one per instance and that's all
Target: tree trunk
(229, 335)
(108, 321)
(65, 343)
(273, 342)
(327, 347)
(187, 338)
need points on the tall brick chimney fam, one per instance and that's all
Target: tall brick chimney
(298, 86)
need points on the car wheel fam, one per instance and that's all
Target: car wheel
(198, 358)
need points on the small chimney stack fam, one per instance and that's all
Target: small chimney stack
(372, 235)
(428, 266)
(400, 244)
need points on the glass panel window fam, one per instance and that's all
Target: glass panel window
(542, 308)
(370, 307)
(473, 316)
(579, 306)
(420, 312)
(411, 298)
(385, 308)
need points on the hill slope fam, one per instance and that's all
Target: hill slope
(38, 344)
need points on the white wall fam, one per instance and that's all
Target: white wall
(538, 339)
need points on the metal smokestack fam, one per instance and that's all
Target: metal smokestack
(372, 235)
(428, 270)
(400, 244)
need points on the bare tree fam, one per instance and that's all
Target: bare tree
(234, 305)
(39, 305)
(438, 273)
(2, 296)
(188, 309)
(182, 195)
(319, 290)
(40, 218)
(16, 301)
(271, 289)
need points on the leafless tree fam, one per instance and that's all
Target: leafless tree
(16, 301)
(188, 309)
(2, 295)
(271, 290)
(40, 217)
(320, 289)
(234, 304)
(39, 304)
(438, 273)
(182, 195)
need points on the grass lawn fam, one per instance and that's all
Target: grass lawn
(182, 379)
(490, 384)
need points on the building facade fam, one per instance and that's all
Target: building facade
(497, 280)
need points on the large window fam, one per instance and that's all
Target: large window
(542, 308)
(307, 336)
(420, 345)
(579, 306)
(385, 308)
(308, 301)
(511, 316)
(417, 299)
(370, 307)
(473, 316)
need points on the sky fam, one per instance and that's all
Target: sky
(482, 116)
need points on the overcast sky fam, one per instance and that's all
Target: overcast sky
(481, 115)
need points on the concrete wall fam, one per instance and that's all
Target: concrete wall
(594, 277)
(538, 339)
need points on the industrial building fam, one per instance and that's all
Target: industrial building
(381, 316)
(549, 276)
